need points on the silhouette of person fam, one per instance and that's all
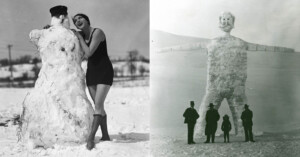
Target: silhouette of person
(226, 127)
(247, 123)
(191, 116)
(212, 117)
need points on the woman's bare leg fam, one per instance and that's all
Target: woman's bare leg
(92, 91)
(100, 96)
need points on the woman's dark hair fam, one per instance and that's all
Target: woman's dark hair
(83, 16)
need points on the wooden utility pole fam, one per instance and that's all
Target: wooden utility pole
(11, 79)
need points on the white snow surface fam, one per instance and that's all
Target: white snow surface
(267, 144)
(128, 125)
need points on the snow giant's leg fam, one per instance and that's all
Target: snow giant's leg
(236, 103)
(210, 97)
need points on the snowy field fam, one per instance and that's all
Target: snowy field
(128, 125)
(267, 145)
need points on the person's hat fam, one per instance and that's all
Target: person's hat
(59, 10)
(246, 106)
(226, 116)
(211, 105)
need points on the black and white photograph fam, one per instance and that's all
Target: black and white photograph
(74, 78)
(225, 78)
(149, 78)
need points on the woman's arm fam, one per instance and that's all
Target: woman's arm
(97, 37)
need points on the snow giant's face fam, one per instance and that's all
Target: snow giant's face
(226, 22)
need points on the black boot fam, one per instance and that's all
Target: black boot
(207, 139)
(103, 125)
(90, 141)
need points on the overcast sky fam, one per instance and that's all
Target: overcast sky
(125, 23)
(268, 22)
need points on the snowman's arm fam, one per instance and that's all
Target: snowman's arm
(184, 47)
(34, 36)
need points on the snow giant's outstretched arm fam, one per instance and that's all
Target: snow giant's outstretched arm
(184, 47)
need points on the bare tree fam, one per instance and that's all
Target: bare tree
(116, 72)
(131, 62)
(142, 69)
(24, 59)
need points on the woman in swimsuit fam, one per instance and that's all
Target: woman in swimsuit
(99, 75)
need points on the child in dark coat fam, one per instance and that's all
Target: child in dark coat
(226, 127)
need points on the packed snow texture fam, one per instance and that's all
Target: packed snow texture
(127, 111)
(57, 110)
(227, 74)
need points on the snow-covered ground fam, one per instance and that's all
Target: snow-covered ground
(267, 145)
(128, 125)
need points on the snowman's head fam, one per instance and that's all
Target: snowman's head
(59, 16)
(62, 20)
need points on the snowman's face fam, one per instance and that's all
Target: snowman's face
(66, 22)
(226, 22)
(63, 20)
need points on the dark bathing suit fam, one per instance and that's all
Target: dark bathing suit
(99, 67)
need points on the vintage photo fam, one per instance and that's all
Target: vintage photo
(74, 78)
(224, 78)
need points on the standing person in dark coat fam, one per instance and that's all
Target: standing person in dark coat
(247, 123)
(212, 117)
(191, 116)
(226, 127)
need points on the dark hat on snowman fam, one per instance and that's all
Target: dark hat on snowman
(59, 10)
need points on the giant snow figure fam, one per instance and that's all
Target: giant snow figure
(226, 72)
(57, 110)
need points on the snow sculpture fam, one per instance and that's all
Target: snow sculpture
(57, 110)
(226, 74)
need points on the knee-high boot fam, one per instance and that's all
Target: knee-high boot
(96, 122)
(207, 138)
(103, 125)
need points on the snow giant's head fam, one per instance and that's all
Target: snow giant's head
(226, 21)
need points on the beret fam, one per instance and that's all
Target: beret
(59, 10)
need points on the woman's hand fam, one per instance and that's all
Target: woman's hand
(46, 27)
(73, 30)
(76, 33)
